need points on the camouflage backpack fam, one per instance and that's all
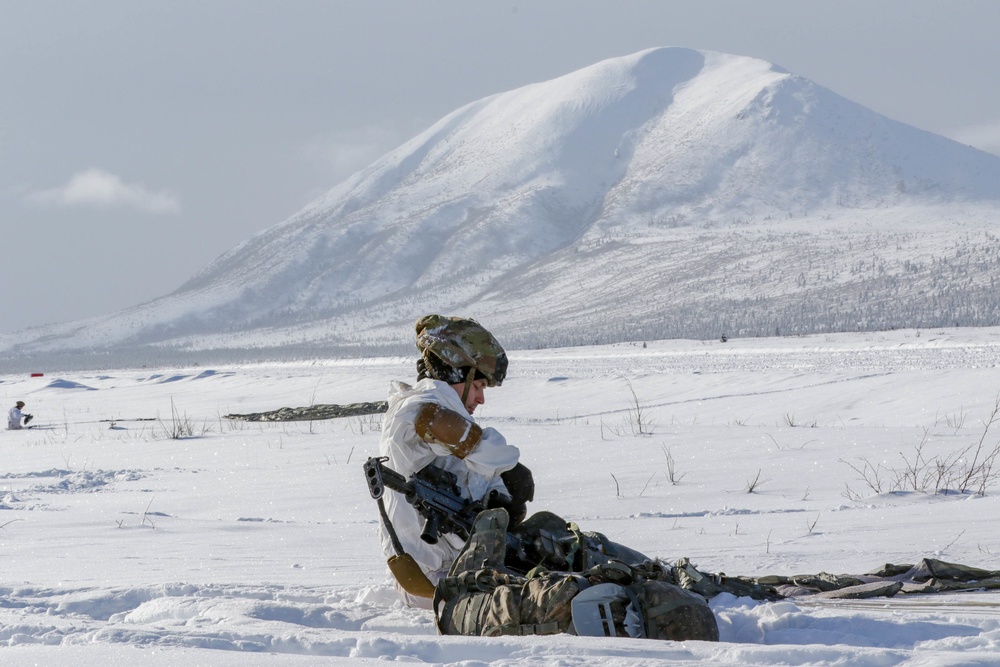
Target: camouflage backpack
(489, 604)
(480, 597)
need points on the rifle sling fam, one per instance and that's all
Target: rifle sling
(406, 571)
(396, 545)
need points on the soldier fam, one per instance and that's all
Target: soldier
(580, 582)
(15, 416)
(431, 422)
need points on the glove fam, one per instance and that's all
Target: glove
(521, 485)
(497, 499)
(28, 418)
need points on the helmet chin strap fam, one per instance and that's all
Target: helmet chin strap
(470, 376)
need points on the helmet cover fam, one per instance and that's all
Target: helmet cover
(460, 343)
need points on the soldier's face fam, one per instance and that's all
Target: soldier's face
(477, 394)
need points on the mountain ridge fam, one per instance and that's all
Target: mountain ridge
(498, 206)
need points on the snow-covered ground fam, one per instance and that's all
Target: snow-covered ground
(254, 543)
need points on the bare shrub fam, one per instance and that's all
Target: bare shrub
(754, 484)
(365, 423)
(671, 467)
(179, 426)
(637, 419)
(970, 469)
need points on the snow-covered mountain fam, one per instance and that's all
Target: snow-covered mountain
(672, 192)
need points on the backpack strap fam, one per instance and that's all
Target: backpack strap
(551, 628)
(460, 601)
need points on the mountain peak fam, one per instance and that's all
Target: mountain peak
(510, 189)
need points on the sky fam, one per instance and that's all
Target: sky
(140, 140)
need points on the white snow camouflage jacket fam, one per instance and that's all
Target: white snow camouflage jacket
(14, 418)
(478, 473)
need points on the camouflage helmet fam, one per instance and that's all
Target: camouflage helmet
(451, 346)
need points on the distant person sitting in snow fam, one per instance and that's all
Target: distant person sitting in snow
(431, 422)
(15, 417)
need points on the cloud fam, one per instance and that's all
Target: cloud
(985, 137)
(98, 188)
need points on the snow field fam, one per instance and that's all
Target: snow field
(254, 543)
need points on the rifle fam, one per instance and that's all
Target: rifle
(433, 491)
